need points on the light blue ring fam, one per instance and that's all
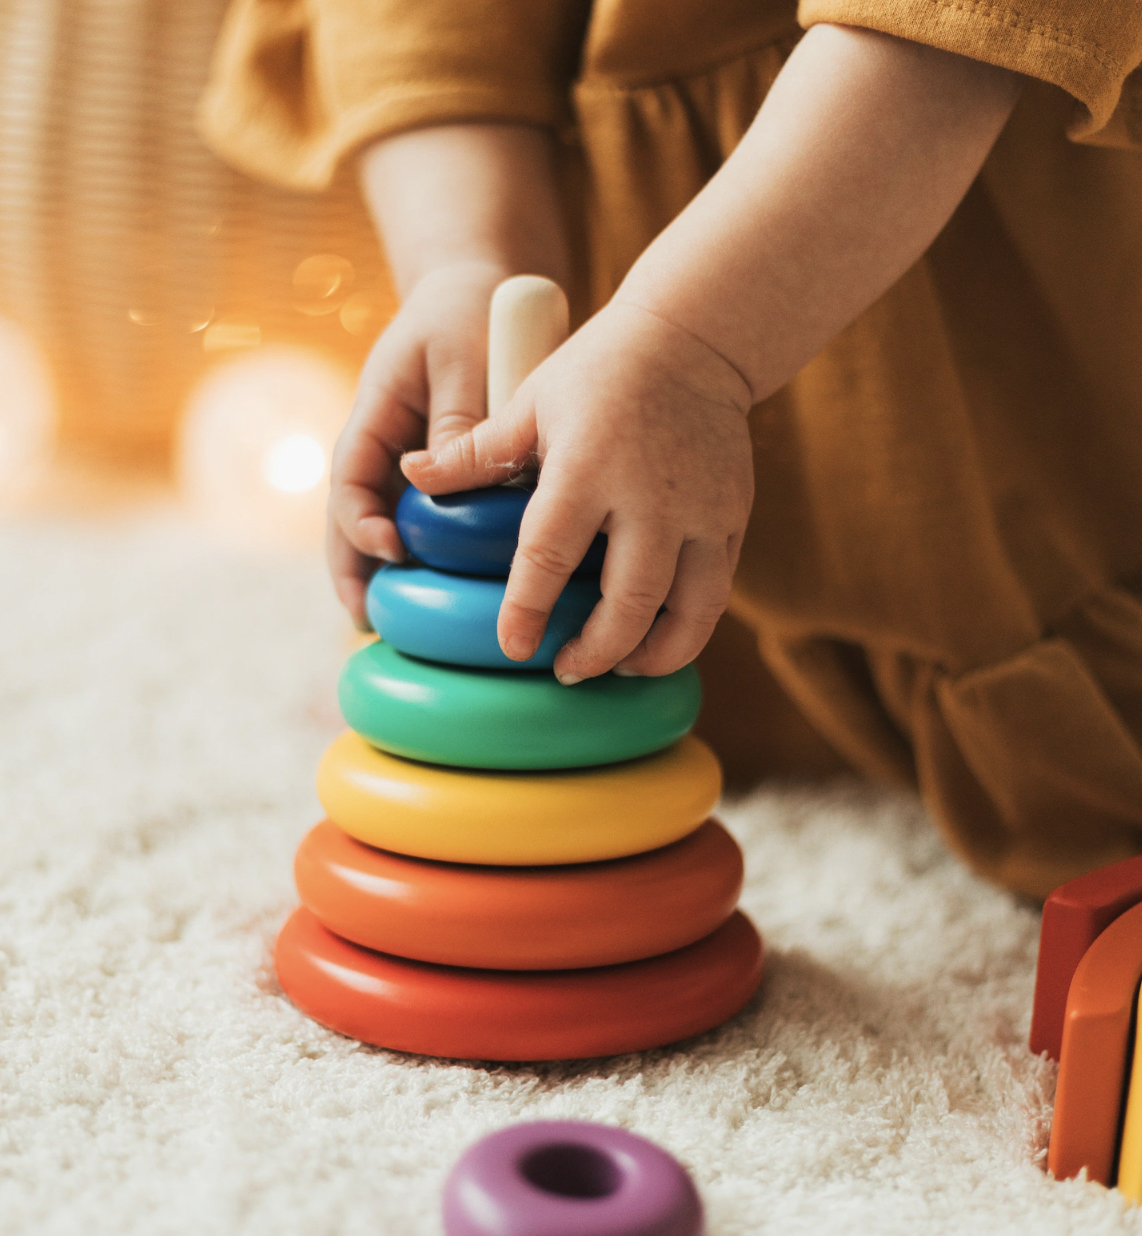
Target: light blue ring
(452, 618)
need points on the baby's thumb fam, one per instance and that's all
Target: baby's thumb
(444, 427)
(487, 454)
(456, 383)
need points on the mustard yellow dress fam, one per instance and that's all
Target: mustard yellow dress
(944, 562)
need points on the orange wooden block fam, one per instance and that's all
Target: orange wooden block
(512, 1014)
(521, 918)
(1073, 916)
(1095, 1053)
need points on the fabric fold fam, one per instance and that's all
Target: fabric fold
(297, 85)
(1032, 766)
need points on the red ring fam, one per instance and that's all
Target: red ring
(517, 1015)
(521, 918)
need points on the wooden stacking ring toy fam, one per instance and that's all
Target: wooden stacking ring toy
(569, 1178)
(480, 718)
(468, 1014)
(452, 618)
(517, 819)
(473, 533)
(521, 918)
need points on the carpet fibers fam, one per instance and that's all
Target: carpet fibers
(162, 708)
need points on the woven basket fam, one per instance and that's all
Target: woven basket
(129, 251)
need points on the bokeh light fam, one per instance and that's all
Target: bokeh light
(295, 463)
(166, 298)
(231, 333)
(321, 283)
(27, 411)
(255, 445)
(366, 315)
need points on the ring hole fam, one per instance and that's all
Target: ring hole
(571, 1170)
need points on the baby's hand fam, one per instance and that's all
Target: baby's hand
(423, 382)
(641, 431)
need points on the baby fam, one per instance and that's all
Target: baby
(867, 289)
(863, 148)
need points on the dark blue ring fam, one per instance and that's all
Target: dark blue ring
(473, 533)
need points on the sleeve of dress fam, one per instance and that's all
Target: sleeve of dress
(296, 84)
(1089, 48)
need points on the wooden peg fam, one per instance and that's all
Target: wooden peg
(527, 322)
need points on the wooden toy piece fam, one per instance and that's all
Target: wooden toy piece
(517, 819)
(512, 1014)
(569, 1178)
(1092, 1065)
(480, 718)
(1074, 914)
(474, 532)
(452, 618)
(1130, 1154)
(521, 918)
(527, 321)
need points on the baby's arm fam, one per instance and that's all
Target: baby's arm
(859, 155)
(862, 150)
(460, 208)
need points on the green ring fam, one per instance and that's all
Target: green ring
(510, 719)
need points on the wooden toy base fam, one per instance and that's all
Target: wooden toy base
(517, 1015)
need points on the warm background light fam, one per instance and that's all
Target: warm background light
(27, 411)
(295, 464)
(255, 445)
(130, 253)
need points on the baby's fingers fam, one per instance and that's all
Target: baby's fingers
(361, 474)
(486, 455)
(456, 380)
(350, 570)
(637, 576)
(697, 599)
(556, 531)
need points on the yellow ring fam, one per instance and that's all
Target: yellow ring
(517, 819)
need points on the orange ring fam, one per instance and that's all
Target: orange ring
(521, 918)
(512, 1015)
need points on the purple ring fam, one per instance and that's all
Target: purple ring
(569, 1178)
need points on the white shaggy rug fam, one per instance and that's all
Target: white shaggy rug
(162, 707)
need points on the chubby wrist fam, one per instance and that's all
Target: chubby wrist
(693, 334)
(709, 368)
(461, 193)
